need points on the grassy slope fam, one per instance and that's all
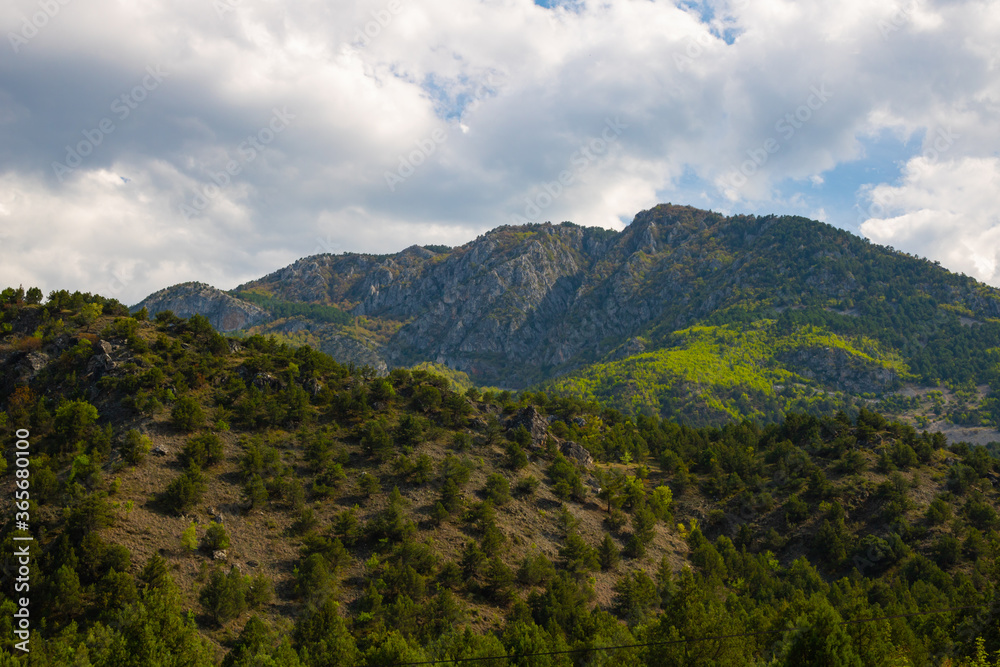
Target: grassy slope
(731, 371)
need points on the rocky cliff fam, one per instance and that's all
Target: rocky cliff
(520, 304)
(226, 313)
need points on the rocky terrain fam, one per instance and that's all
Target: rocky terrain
(523, 306)
(225, 312)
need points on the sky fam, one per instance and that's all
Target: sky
(151, 142)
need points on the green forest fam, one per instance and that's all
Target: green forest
(789, 314)
(203, 500)
(280, 309)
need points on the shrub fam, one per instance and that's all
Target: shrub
(186, 491)
(980, 513)
(260, 591)
(961, 477)
(853, 462)
(204, 450)
(423, 469)
(215, 538)
(635, 595)
(461, 442)
(451, 496)
(497, 489)
(427, 397)
(135, 446)
(796, 509)
(368, 484)
(514, 456)
(255, 492)
(526, 486)
(375, 441)
(189, 538)
(187, 414)
(498, 581)
(578, 556)
(224, 596)
(409, 431)
(313, 581)
(382, 391)
(536, 570)
(439, 514)
(660, 501)
(946, 550)
(938, 512)
(608, 553)
(306, 522)
(73, 421)
(566, 479)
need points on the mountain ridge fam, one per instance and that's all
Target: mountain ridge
(522, 306)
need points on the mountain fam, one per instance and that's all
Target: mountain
(224, 312)
(197, 499)
(686, 314)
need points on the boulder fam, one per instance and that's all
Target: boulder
(577, 453)
(101, 363)
(533, 420)
(266, 381)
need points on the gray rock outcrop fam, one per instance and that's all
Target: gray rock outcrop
(226, 313)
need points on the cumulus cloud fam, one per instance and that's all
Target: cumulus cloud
(415, 122)
(943, 210)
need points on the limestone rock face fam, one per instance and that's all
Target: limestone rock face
(531, 419)
(225, 312)
(521, 305)
(577, 452)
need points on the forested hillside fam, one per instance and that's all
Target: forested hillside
(199, 500)
(685, 314)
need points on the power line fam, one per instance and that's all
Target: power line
(678, 641)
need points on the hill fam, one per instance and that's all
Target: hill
(196, 498)
(686, 314)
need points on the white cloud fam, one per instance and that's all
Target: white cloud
(945, 211)
(516, 89)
